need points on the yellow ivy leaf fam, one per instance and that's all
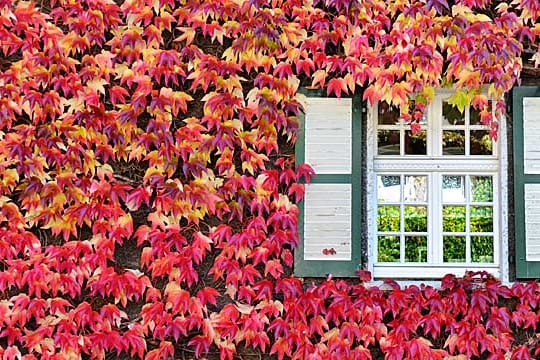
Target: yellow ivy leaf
(97, 84)
(461, 99)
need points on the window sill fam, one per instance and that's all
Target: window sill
(429, 271)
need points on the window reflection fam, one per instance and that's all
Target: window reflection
(387, 114)
(453, 189)
(454, 248)
(452, 115)
(475, 118)
(416, 249)
(388, 218)
(482, 188)
(481, 143)
(416, 218)
(453, 142)
(482, 249)
(388, 249)
(389, 188)
(454, 218)
(415, 143)
(481, 218)
(415, 189)
(388, 142)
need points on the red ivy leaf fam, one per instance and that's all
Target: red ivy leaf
(364, 275)
(336, 86)
(208, 295)
(201, 343)
(438, 5)
(521, 352)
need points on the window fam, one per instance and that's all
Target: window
(435, 197)
(436, 202)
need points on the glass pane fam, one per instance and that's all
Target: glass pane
(388, 142)
(482, 188)
(388, 115)
(416, 248)
(453, 142)
(454, 248)
(388, 249)
(454, 218)
(388, 218)
(415, 144)
(453, 188)
(452, 115)
(388, 188)
(415, 189)
(482, 249)
(475, 118)
(481, 143)
(481, 219)
(415, 218)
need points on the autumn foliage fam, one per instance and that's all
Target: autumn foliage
(148, 193)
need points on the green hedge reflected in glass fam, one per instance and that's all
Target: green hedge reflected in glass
(454, 248)
(388, 218)
(454, 218)
(416, 218)
(482, 249)
(481, 219)
(388, 249)
(482, 188)
(416, 248)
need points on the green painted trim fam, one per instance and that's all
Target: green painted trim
(300, 145)
(332, 179)
(314, 92)
(356, 184)
(322, 268)
(524, 269)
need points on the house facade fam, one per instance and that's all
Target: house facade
(418, 202)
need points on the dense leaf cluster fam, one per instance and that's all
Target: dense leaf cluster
(147, 189)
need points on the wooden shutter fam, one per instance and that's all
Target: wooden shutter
(526, 125)
(330, 215)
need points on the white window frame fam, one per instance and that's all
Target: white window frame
(495, 165)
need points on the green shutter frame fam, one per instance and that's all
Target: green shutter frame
(323, 268)
(524, 268)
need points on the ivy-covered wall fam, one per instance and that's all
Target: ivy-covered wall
(148, 193)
